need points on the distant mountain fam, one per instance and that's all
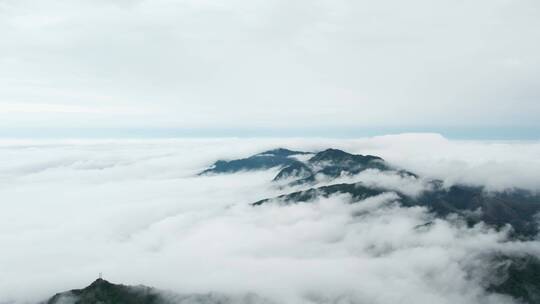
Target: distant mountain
(265, 160)
(104, 292)
(330, 163)
(517, 208)
(357, 191)
(339, 158)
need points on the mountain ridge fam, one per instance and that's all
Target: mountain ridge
(330, 162)
(102, 291)
(516, 207)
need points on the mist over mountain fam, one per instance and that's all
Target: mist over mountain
(378, 220)
(515, 209)
(269, 152)
(102, 291)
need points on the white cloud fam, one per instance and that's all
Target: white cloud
(495, 164)
(390, 180)
(136, 211)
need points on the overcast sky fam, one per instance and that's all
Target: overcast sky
(271, 65)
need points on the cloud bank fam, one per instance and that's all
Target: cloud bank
(136, 211)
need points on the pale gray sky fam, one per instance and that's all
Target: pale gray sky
(270, 64)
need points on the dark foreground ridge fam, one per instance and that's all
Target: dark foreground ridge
(104, 292)
(518, 277)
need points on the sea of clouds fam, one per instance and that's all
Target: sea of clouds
(137, 211)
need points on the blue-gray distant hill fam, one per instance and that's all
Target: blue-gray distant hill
(265, 160)
(329, 163)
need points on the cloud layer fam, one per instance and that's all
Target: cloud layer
(136, 211)
(239, 64)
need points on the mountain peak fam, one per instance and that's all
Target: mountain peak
(102, 291)
(281, 152)
(334, 152)
(279, 157)
(337, 155)
(99, 282)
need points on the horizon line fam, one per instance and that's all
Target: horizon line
(464, 133)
